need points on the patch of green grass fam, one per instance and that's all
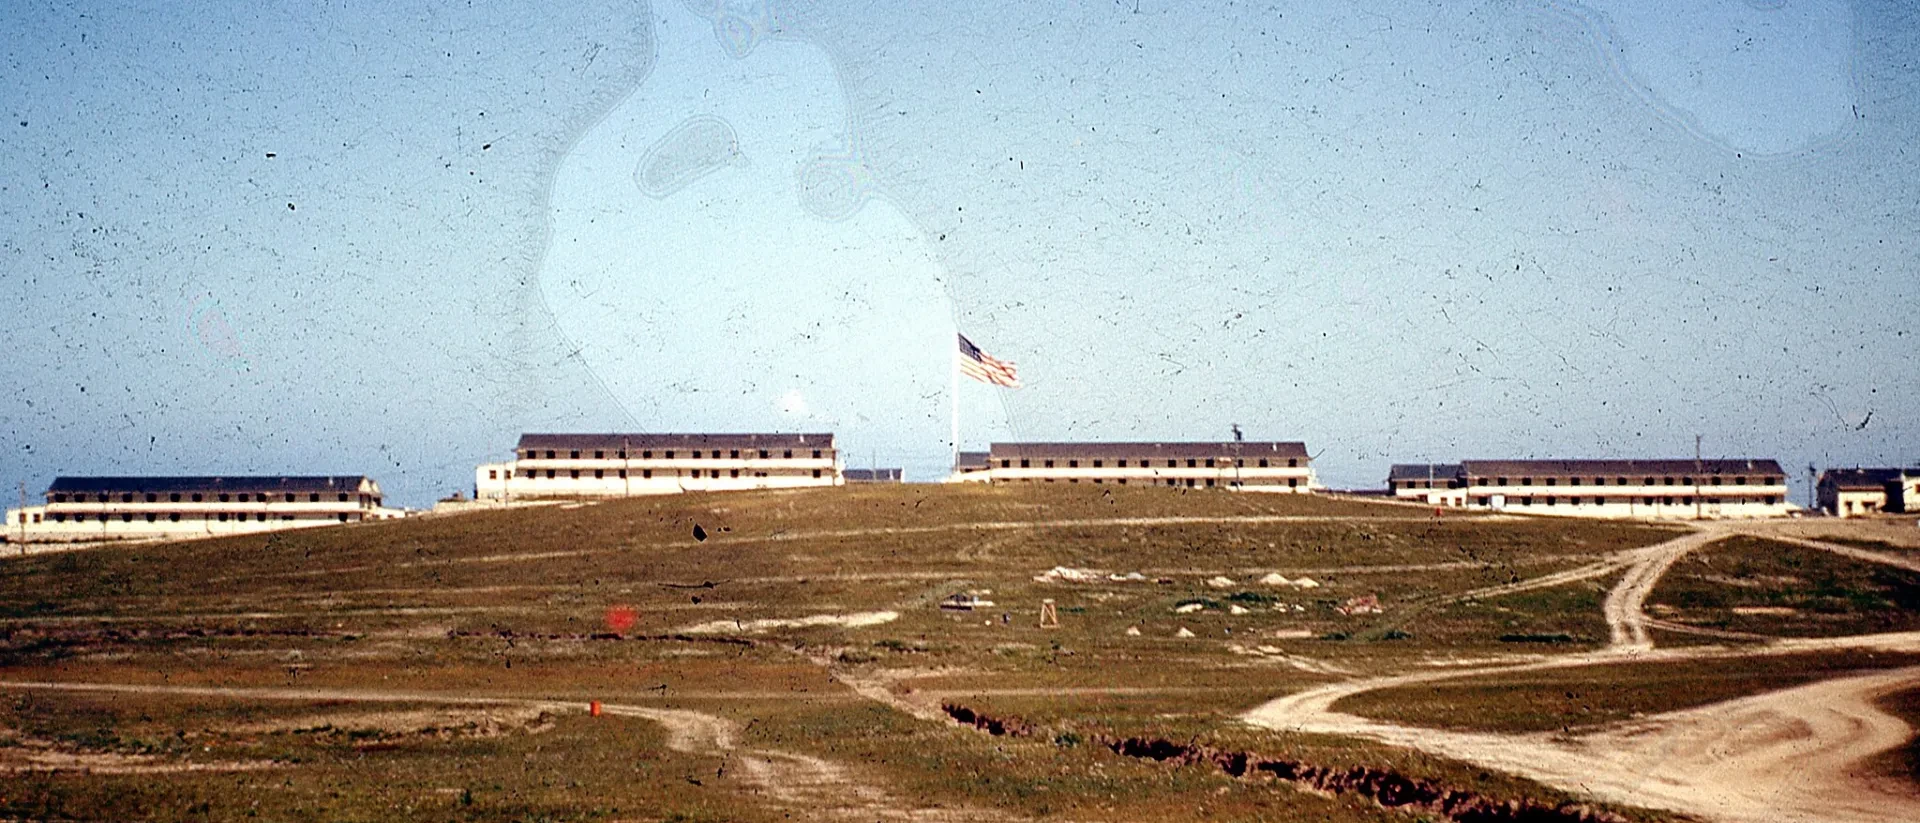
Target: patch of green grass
(1578, 698)
(1757, 586)
(1903, 762)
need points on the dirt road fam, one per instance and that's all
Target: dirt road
(1781, 756)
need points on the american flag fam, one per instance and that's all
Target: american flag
(986, 368)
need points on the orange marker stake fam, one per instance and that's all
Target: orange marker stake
(593, 708)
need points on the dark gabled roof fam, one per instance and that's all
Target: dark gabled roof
(970, 460)
(872, 475)
(675, 441)
(1874, 479)
(237, 483)
(1151, 450)
(1575, 468)
(1423, 471)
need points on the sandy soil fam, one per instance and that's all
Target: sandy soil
(1788, 755)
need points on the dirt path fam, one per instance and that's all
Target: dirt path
(786, 780)
(1624, 609)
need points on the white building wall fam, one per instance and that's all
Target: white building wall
(1630, 501)
(528, 478)
(1276, 479)
(93, 520)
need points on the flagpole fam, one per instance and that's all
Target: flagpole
(954, 463)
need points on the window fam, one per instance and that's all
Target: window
(314, 497)
(732, 455)
(493, 474)
(151, 497)
(1238, 462)
(59, 498)
(599, 474)
(196, 497)
(223, 517)
(669, 454)
(1169, 481)
(816, 454)
(1551, 480)
(623, 474)
(1526, 481)
(1097, 464)
(1647, 501)
(550, 474)
(1293, 462)
(646, 473)
(1190, 463)
(575, 474)
(1025, 463)
(1553, 501)
(573, 455)
(1263, 462)
(763, 454)
(1686, 481)
(646, 454)
(1073, 464)
(549, 454)
(343, 517)
(1049, 464)
(126, 497)
(1502, 482)
(622, 454)
(734, 473)
(126, 517)
(1620, 481)
(1005, 463)
(223, 497)
(173, 517)
(788, 454)
(1293, 482)
(343, 497)
(59, 518)
(1573, 481)
(1666, 501)
(1739, 481)
(1209, 482)
(152, 517)
(1123, 464)
(1716, 480)
(816, 472)
(174, 497)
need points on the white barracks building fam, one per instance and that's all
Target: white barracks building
(1681, 489)
(80, 509)
(622, 465)
(1247, 466)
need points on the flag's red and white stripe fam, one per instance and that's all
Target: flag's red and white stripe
(986, 368)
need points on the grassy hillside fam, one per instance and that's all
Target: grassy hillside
(349, 652)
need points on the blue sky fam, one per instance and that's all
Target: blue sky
(386, 238)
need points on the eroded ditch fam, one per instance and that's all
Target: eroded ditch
(1387, 787)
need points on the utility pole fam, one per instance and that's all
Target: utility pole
(1237, 452)
(1813, 490)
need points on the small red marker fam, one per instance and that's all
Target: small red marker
(593, 708)
(620, 618)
